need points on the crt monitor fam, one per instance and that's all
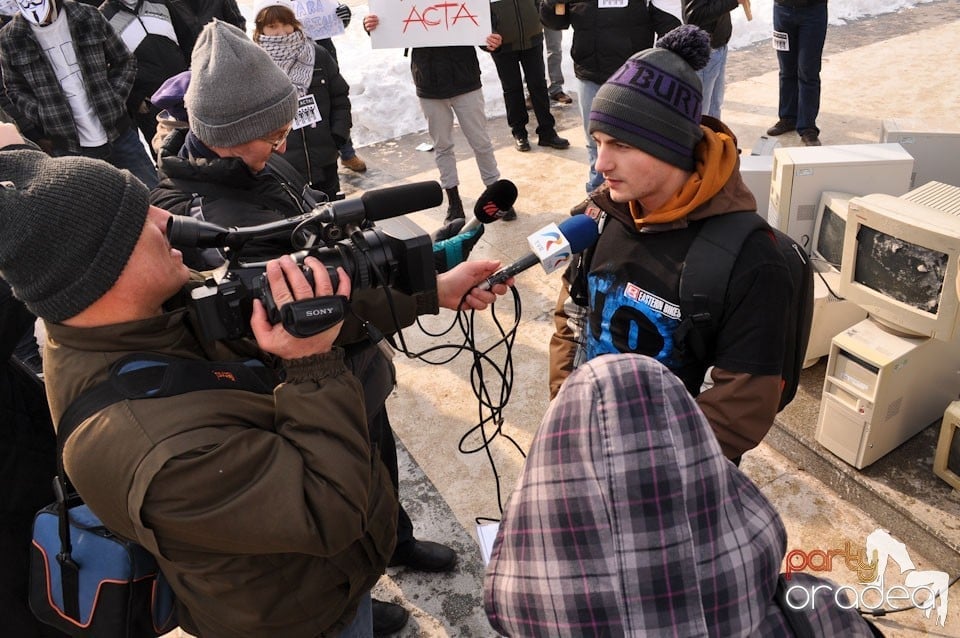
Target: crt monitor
(800, 174)
(900, 261)
(831, 220)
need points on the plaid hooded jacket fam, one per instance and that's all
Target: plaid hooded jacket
(108, 70)
(628, 521)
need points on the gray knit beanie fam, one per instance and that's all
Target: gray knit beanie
(237, 93)
(69, 226)
(653, 101)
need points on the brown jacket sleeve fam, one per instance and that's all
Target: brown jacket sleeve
(741, 408)
(564, 341)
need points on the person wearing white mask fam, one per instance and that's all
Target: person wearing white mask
(68, 74)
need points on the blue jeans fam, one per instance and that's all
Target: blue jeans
(127, 151)
(362, 625)
(806, 31)
(712, 79)
(588, 90)
(347, 151)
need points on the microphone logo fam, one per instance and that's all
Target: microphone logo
(555, 241)
(551, 247)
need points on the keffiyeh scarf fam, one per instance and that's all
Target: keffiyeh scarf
(293, 53)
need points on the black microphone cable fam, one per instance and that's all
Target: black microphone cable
(490, 368)
(491, 379)
(484, 366)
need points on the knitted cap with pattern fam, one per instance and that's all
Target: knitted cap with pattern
(653, 101)
(69, 226)
(237, 93)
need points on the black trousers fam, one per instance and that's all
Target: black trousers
(509, 64)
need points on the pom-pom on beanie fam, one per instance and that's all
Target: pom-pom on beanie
(237, 93)
(69, 226)
(653, 101)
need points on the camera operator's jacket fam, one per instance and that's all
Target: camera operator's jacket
(278, 518)
(634, 300)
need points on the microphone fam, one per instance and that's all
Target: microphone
(493, 203)
(375, 205)
(552, 247)
(383, 203)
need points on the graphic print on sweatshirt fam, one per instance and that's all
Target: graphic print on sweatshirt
(626, 318)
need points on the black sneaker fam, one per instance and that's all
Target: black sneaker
(561, 98)
(510, 215)
(810, 138)
(388, 618)
(522, 143)
(782, 126)
(553, 141)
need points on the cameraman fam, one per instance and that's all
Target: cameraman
(227, 167)
(278, 517)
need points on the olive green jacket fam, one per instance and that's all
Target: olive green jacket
(272, 513)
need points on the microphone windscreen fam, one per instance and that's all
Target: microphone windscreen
(496, 199)
(581, 231)
(384, 203)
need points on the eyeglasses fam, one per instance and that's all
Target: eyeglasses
(277, 143)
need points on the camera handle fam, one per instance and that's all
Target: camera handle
(308, 317)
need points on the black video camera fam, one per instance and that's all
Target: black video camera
(395, 253)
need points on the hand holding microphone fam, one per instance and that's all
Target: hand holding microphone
(552, 247)
(454, 241)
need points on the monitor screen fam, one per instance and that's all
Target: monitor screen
(901, 270)
(953, 456)
(828, 232)
(900, 263)
(830, 236)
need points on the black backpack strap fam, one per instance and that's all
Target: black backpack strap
(706, 274)
(145, 376)
(579, 268)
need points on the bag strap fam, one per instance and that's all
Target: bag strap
(705, 276)
(151, 376)
(142, 376)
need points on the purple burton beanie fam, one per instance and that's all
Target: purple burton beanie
(653, 101)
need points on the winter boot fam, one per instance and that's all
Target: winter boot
(454, 205)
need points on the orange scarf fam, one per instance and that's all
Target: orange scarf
(715, 158)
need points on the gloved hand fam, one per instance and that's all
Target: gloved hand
(313, 197)
(451, 247)
(345, 14)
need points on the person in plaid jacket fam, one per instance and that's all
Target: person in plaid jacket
(68, 75)
(627, 520)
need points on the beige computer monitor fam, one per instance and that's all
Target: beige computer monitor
(900, 262)
(800, 174)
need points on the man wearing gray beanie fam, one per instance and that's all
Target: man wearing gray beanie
(668, 170)
(272, 512)
(226, 166)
